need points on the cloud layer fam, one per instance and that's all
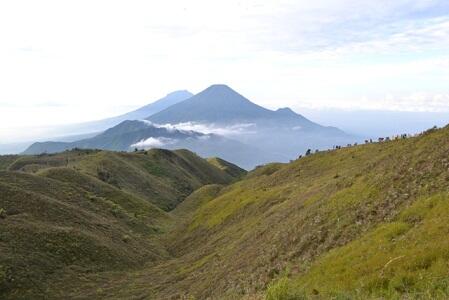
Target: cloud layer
(229, 131)
(208, 128)
(93, 57)
(153, 143)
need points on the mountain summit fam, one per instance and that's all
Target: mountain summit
(217, 104)
(222, 123)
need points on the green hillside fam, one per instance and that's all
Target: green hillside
(6, 160)
(231, 169)
(84, 212)
(161, 176)
(366, 222)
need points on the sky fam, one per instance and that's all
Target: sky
(73, 61)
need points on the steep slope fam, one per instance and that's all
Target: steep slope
(382, 201)
(361, 222)
(83, 212)
(51, 226)
(404, 258)
(231, 169)
(161, 176)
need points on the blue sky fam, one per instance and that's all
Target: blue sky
(72, 61)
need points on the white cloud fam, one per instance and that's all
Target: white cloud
(207, 128)
(153, 143)
(94, 56)
(231, 130)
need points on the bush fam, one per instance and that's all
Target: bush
(126, 238)
(402, 283)
(282, 290)
(103, 175)
(2, 213)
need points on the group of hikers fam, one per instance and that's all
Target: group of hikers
(367, 141)
(380, 140)
(386, 139)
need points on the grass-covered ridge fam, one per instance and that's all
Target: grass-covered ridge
(85, 212)
(228, 167)
(407, 257)
(163, 177)
(283, 220)
(364, 222)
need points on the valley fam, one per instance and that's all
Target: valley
(364, 222)
(224, 150)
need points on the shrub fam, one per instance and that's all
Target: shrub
(2, 213)
(103, 174)
(282, 290)
(126, 238)
(116, 210)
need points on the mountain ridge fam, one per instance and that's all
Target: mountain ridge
(238, 130)
(218, 104)
(362, 222)
(89, 211)
(138, 114)
(130, 135)
(119, 138)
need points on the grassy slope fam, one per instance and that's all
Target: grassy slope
(62, 218)
(161, 176)
(361, 222)
(349, 211)
(6, 160)
(323, 202)
(51, 226)
(408, 257)
(231, 169)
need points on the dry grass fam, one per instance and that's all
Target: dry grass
(357, 223)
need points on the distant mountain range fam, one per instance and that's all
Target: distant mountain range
(138, 114)
(74, 132)
(219, 104)
(216, 122)
(119, 138)
(130, 135)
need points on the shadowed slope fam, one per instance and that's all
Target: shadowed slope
(163, 177)
(83, 212)
(49, 227)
